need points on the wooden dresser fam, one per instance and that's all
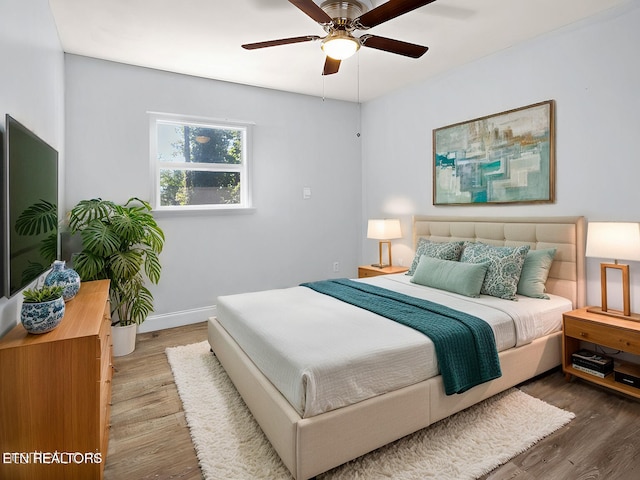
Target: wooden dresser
(55, 393)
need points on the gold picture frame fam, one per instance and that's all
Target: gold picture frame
(504, 158)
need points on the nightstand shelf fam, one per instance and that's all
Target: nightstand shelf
(371, 271)
(616, 333)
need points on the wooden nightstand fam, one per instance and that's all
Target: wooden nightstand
(604, 330)
(371, 271)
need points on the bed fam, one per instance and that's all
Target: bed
(313, 432)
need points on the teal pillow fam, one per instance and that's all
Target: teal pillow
(505, 266)
(535, 271)
(463, 278)
(443, 251)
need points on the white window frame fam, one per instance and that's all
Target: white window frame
(243, 168)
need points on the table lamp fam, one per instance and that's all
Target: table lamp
(384, 230)
(618, 241)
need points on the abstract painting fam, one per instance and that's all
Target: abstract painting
(507, 157)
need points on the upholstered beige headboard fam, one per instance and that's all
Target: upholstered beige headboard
(566, 234)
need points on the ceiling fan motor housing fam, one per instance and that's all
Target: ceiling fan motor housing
(343, 13)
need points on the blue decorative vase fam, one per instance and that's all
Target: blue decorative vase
(42, 317)
(66, 277)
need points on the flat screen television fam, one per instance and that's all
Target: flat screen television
(29, 207)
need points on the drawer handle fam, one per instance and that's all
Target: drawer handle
(584, 334)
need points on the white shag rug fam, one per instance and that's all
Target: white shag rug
(230, 444)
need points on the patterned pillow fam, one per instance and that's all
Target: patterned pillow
(443, 251)
(505, 266)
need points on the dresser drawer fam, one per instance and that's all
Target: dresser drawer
(371, 271)
(602, 334)
(364, 273)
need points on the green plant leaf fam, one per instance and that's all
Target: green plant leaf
(154, 237)
(125, 265)
(128, 227)
(100, 239)
(38, 218)
(33, 270)
(142, 306)
(43, 294)
(49, 247)
(152, 266)
(144, 205)
(88, 210)
(133, 301)
(89, 266)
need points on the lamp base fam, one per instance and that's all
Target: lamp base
(615, 313)
(380, 265)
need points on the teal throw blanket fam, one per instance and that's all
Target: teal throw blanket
(465, 346)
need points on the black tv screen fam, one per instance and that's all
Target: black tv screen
(30, 206)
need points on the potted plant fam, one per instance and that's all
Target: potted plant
(121, 243)
(42, 308)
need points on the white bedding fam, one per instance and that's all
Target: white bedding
(361, 354)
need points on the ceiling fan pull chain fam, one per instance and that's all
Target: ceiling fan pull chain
(323, 87)
(358, 80)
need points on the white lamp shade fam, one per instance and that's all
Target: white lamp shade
(613, 240)
(384, 229)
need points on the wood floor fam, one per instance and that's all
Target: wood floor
(149, 437)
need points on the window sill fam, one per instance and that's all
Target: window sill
(203, 211)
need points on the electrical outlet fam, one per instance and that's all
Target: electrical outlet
(336, 266)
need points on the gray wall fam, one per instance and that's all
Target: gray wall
(31, 88)
(590, 69)
(298, 141)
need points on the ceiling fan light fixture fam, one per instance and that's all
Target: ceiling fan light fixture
(340, 45)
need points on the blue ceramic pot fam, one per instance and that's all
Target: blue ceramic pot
(66, 277)
(42, 317)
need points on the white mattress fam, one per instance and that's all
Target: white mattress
(323, 354)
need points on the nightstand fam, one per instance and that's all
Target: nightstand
(371, 271)
(617, 333)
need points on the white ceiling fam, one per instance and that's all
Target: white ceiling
(203, 38)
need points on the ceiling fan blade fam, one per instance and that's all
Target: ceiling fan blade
(394, 46)
(331, 66)
(387, 11)
(312, 10)
(282, 41)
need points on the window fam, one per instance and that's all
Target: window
(199, 164)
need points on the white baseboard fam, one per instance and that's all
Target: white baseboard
(176, 319)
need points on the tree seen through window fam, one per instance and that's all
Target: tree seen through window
(199, 165)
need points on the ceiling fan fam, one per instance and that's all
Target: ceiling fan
(340, 19)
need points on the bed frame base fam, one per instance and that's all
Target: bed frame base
(310, 446)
